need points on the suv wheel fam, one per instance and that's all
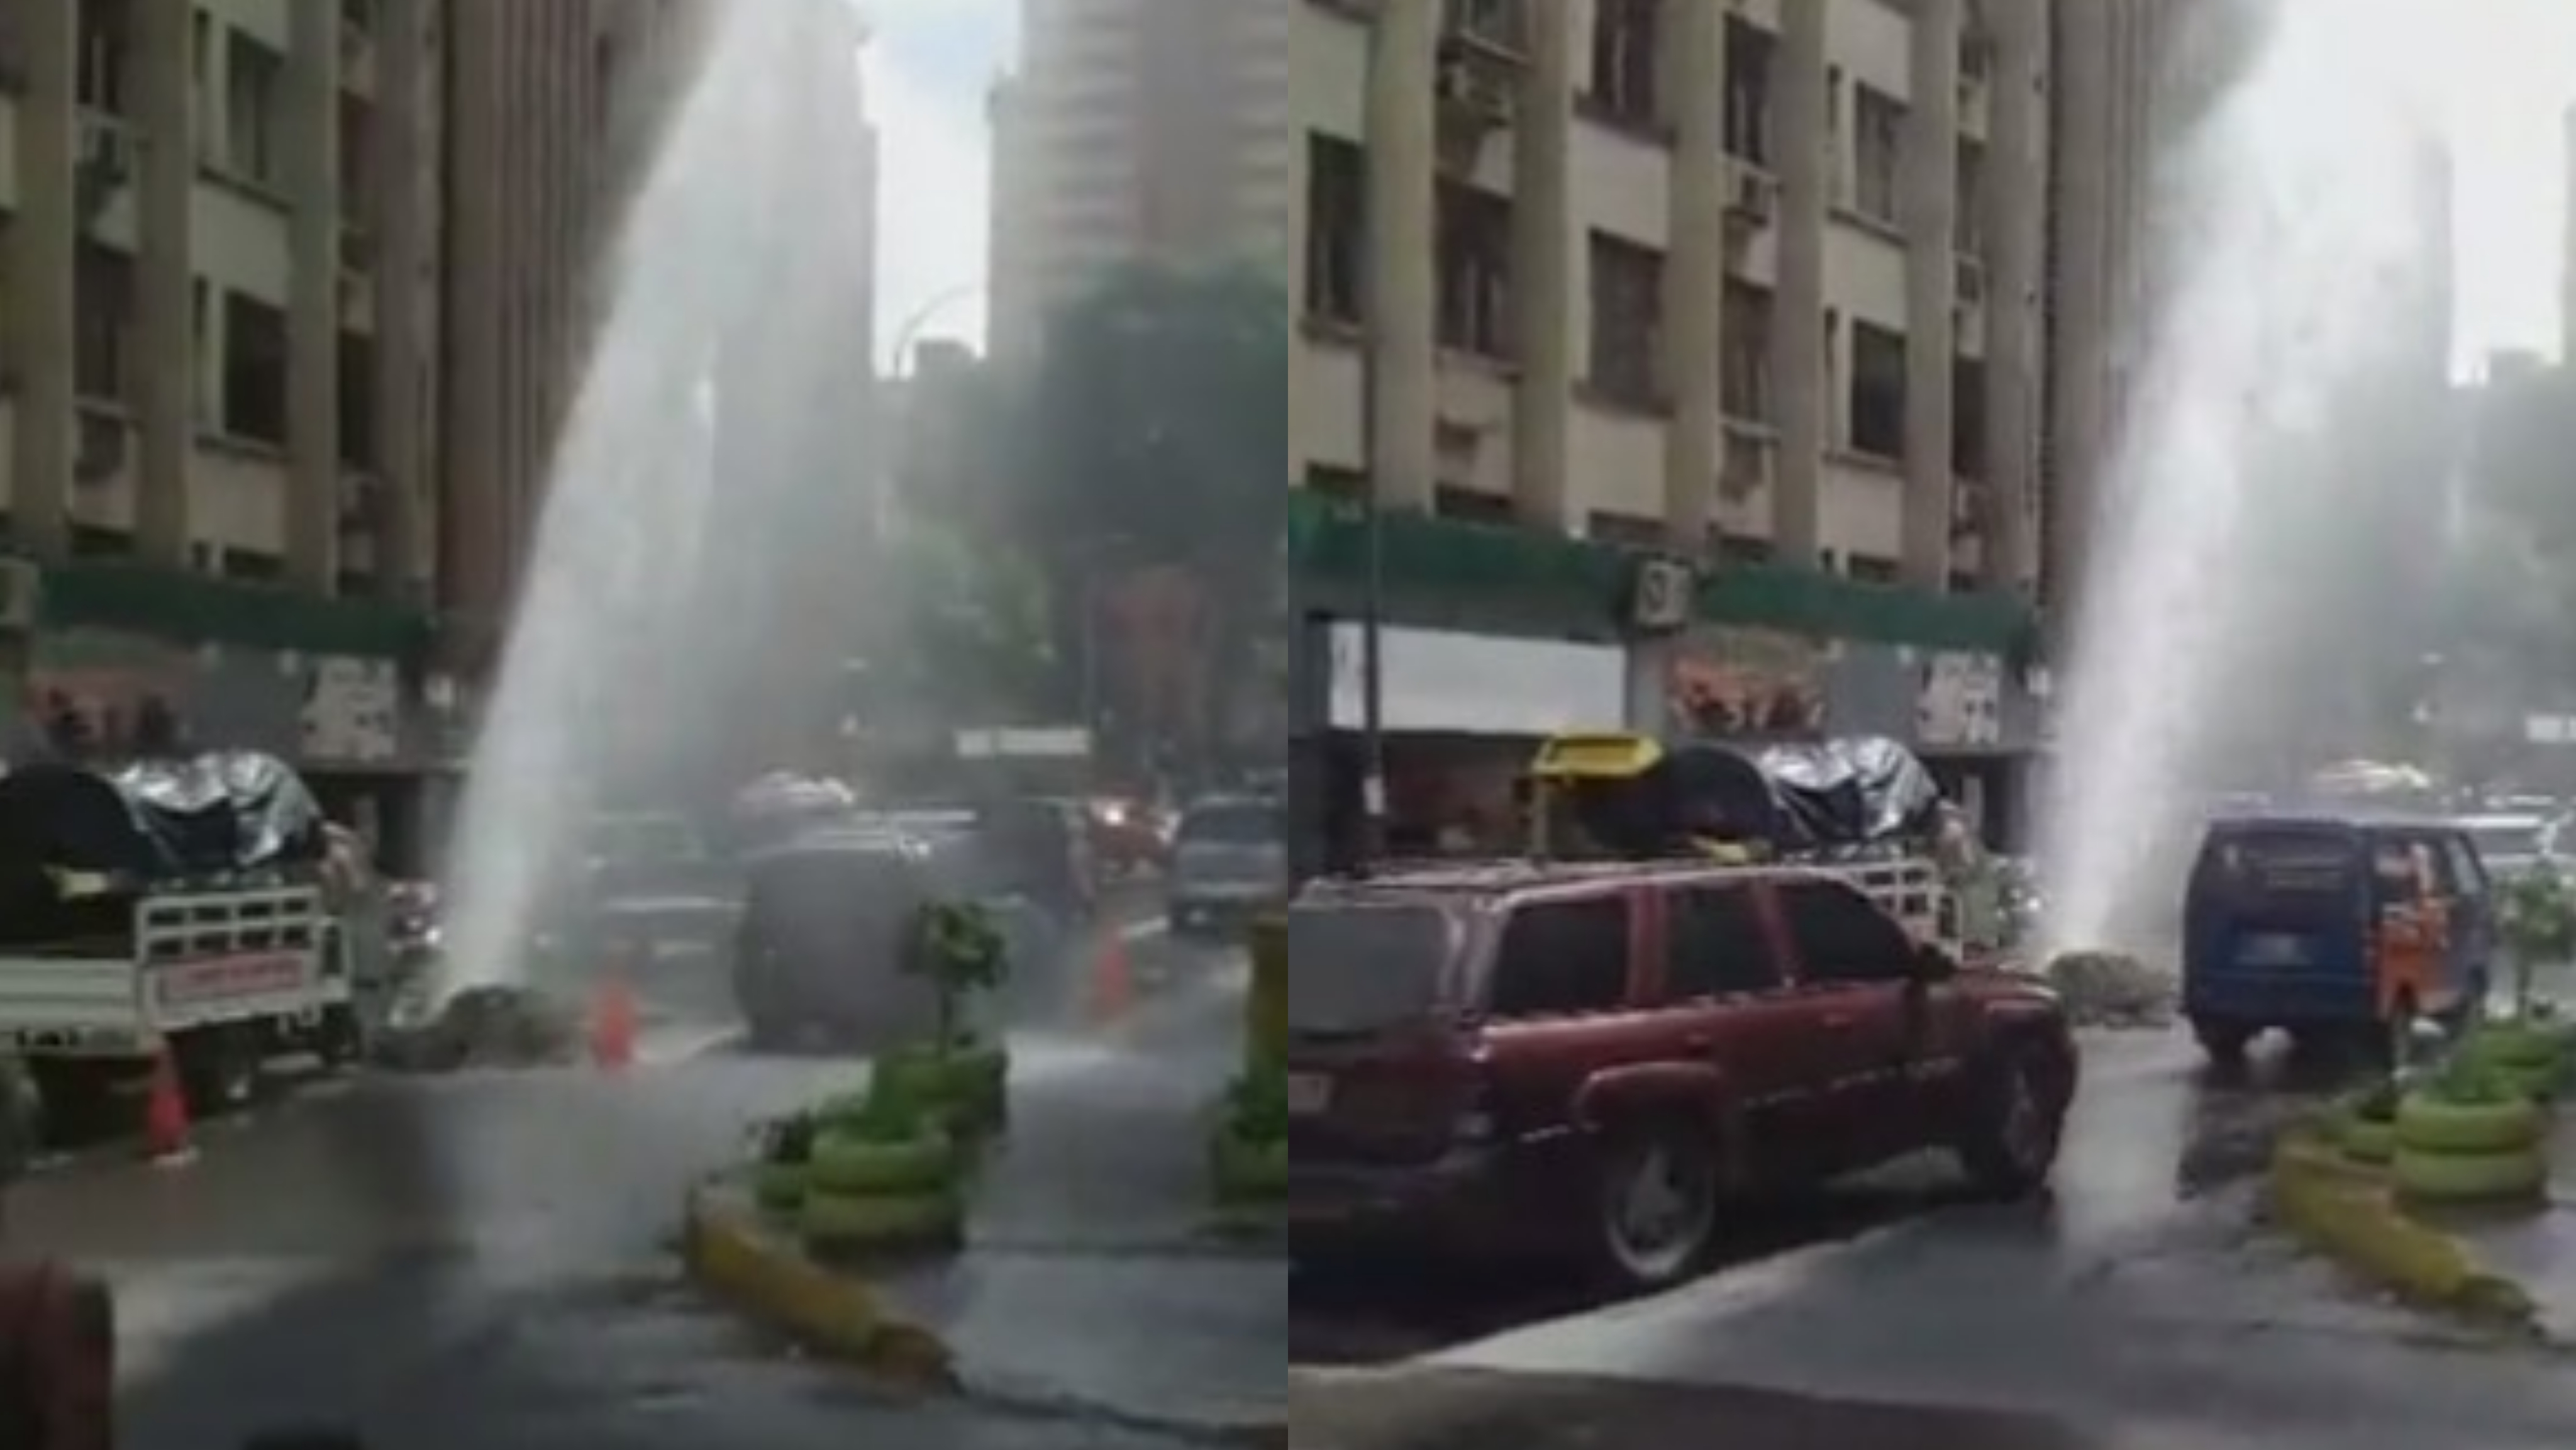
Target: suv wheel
(1655, 1206)
(2012, 1144)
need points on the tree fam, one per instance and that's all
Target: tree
(973, 623)
(1153, 433)
(1157, 419)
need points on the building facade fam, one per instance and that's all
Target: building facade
(221, 266)
(1759, 279)
(556, 109)
(1136, 130)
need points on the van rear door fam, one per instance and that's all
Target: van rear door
(2276, 925)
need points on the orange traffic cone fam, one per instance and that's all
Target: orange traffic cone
(165, 1113)
(1113, 986)
(612, 1022)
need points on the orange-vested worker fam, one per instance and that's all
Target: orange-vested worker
(2410, 939)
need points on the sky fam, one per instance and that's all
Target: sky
(929, 69)
(2511, 65)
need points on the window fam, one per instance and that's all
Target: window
(1842, 936)
(1968, 417)
(1877, 393)
(1364, 968)
(1558, 958)
(1968, 231)
(1877, 148)
(1475, 270)
(102, 322)
(254, 82)
(1470, 505)
(1623, 60)
(2465, 868)
(1717, 945)
(1749, 49)
(357, 127)
(254, 370)
(1336, 227)
(1744, 549)
(1497, 23)
(106, 49)
(1627, 320)
(357, 402)
(1744, 337)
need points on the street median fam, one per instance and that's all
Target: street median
(769, 1277)
(2348, 1212)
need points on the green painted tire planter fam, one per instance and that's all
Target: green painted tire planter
(968, 1087)
(847, 1223)
(2432, 1125)
(2366, 1140)
(2516, 1045)
(850, 1163)
(778, 1187)
(1246, 1170)
(2520, 1174)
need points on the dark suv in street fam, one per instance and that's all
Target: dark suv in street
(1602, 1059)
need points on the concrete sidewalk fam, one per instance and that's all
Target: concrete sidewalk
(1092, 1280)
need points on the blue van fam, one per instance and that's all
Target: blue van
(2332, 928)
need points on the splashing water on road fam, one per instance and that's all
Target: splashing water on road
(2238, 518)
(642, 601)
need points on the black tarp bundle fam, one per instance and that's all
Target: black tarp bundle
(1852, 791)
(229, 811)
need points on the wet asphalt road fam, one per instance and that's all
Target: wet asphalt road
(485, 1259)
(2136, 1311)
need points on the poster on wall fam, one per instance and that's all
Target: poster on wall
(1733, 683)
(93, 696)
(1958, 701)
(352, 712)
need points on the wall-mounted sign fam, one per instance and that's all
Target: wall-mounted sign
(1731, 683)
(1434, 681)
(352, 712)
(1958, 701)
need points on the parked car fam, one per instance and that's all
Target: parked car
(1596, 1061)
(1229, 860)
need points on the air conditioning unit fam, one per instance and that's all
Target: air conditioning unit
(22, 594)
(1750, 192)
(1661, 594)
(1474, 94)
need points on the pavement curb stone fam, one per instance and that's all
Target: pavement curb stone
(2345, 1212)
(766, 1277)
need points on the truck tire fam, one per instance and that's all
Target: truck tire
(76, 1098)
(218, 1069)
(1654, 1204)
(2223, 1040)
(2010, 1145)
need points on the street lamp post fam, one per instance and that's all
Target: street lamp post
(1373, 522)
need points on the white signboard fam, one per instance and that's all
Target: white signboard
(1476, 684)
(352, 711)
(1960, 701)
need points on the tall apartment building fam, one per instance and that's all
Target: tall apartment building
(1759, 278)
(554, 108)
(1137, 130)
(221, 224)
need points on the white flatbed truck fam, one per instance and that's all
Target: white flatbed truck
(224, 976)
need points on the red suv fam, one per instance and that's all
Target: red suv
(1600, 1059)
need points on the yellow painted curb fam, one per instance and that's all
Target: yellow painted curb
(766, 1276)
(2346, 1212)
